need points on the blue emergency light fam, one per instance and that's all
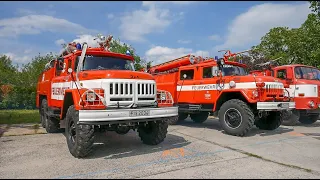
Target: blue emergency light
(128, 53)
(78, 46)
(216, 58)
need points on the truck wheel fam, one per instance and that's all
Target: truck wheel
(270, 122)
(153, 133)
(43, 110)
(236, 117)
(51, 124)
(80, 138)
(309, 119)
(199, 117)
(173, 120)
(290, 118)
(182, 116)
(122, 130)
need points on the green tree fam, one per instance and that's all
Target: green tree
(118, 47)
(7, 71)
(315, 7)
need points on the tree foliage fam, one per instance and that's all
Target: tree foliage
(296, 45)
(118, 47)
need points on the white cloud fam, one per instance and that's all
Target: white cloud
(110, 16)
(142, 22)
(214, 37)
(247, 28)
(18, 59)
(159, 54)
(184, 41)
(35, 24)
(59, 42)
(89, 39)
(27, 51)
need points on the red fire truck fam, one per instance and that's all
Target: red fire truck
(88, 89)
(303, 85)
(201, 86)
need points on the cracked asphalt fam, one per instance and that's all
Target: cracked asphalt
(189, 151)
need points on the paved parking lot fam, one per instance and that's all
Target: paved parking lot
(189, 151)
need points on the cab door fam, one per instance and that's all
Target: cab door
(207, 85)
(287, 79)
(185, 86)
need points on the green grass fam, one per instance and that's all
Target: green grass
(19, 116)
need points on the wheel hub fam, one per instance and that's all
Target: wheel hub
(233, 118)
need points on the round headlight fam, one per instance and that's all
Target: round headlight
(91, 96)
(163, 97)
(232, 84)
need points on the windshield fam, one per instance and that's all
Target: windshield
(307, 73)
(231, 70)
(105, 63)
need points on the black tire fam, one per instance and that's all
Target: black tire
(82, 144)
(290, 118)
(242, 112)
(50, 124)
(309, 119)
(153, 133)
(199, 117)
(43, 109)
(122, 130)
(173, 120)
(270, 122)
(182, 116)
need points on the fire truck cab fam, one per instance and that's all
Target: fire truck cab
(92, 89)
(202, 86)
(303, 85)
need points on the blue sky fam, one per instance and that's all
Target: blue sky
(159, 31)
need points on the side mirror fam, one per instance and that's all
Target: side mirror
(184, 76)
(69, 70)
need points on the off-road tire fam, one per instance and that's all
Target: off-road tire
(199, 117)
(43, 108)
(182, 116)
(290, 118)
(309, 119)
(173, 120)
(247, 117)
(84, 139)
(153, 133)
(50, 124)
(270, 122)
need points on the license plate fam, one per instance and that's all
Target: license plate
(139, 113)
(285, 105)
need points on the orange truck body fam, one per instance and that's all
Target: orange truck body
(104, 92)
(303, 86)
(204, 90)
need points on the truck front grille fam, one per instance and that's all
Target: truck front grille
(121, 88)
(273, 90)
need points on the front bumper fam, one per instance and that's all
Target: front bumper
(125, 115)
(271, 106)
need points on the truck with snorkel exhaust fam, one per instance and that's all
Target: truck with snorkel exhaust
(90, 89)
(302, 83)
(200, 86)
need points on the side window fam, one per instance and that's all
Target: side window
(59, 66)
(76, 63)
(189, 73)
(207, 72)
(282, 74)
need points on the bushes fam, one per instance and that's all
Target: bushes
(19, 98)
